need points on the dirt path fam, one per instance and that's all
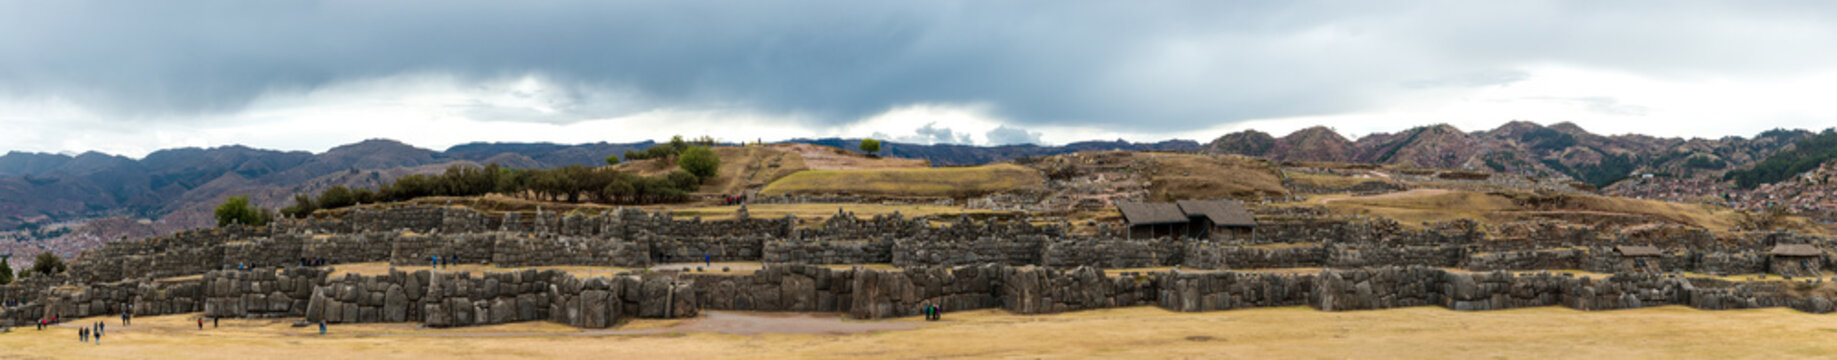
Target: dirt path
(827, 158)
(1415, 192)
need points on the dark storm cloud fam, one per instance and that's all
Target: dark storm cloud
(1157, 66)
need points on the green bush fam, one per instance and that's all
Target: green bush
(237, 210)
(700, 161)
(47, 263)
(870, 145)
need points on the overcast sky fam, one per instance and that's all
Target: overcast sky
(130, 77)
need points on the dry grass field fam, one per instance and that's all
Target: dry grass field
(1134, 333)
(1412, 208)
(955, 182)
(1188, 176)
(816, 212)
(1329, 181)
(742, 168)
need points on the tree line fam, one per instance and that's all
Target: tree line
(573, 183)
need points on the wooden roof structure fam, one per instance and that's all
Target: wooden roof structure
(1221, 212)
(1136, 213)
(1637, 250)
(1795, 250)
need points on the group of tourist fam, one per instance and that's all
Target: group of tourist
(310, 262)
(441, 262)
(45, 322)
(932, 312)
(93, 331)
(729, 200)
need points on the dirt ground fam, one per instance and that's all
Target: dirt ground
(819, 157)
(1142, 332)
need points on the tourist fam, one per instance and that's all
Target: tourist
(83, 335)
(434, 261)
(125, 320)
(707, 259)
(321, 326)
(213, 322)
(99, 330)
(200, 323)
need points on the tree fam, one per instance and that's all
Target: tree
(336, 197)
(870, 145)
(700, 161)
(677, 144)
(303, 206)
(6, 271)
(612, 160)
(47, 263)
(683, 180)
(237, 210)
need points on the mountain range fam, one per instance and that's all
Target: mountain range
(181, 186)
(1562, 150)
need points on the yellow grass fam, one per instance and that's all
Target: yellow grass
(742, 168)
(379, 268)
(1129, 333)
(820, 157)
(1187, 176)
(819, 211)
(922, 182)
(1412, 208)
(1327, 180)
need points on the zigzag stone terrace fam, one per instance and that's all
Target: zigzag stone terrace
(1325, 262)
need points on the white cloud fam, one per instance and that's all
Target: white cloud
(1004, 135)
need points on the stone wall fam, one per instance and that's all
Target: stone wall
(442, 299)
(1540, 259)
(871, 251)
(260, 292)
(667, 249)
(1018, 250)
(1368, 256)
(1032, 290)
(539, 250)
(1110, 253)
(1729, 263)
(419, 249)
(352, 248)
(777, 288)
(1212, 291)
(184, 253)
(1212, 256)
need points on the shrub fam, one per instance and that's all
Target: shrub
(700, 161)
(237, 210)
(870, 145)
(47, 263)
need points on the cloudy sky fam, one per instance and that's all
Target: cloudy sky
(131, 77)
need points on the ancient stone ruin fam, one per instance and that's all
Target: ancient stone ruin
(1328, 263)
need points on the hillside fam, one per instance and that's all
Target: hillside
(1519, 147)
(955, 182)
(960, 155)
